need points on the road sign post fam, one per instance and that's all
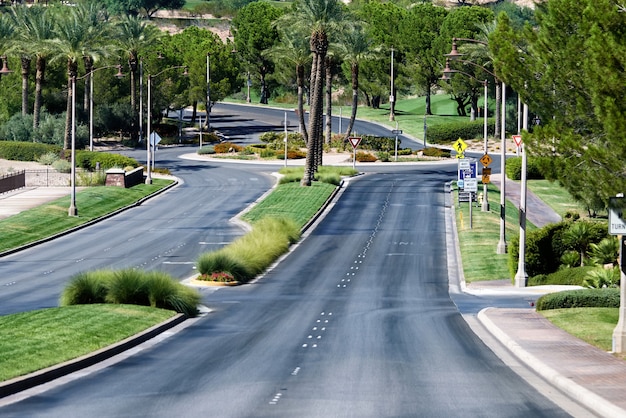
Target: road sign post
(617, 226)
(396, 132)
(355, 141)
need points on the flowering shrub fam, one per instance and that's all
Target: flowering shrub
(225, 147)
(218, 276)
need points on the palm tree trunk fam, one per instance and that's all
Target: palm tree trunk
(88, 69)
(314, 118)
(40, 65)
(300, 83)
(329, 101)
(25, 71)
(355, 96)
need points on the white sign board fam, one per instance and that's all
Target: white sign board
(617, 215)
(154, 138)
(470, 184)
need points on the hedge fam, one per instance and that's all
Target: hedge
(581, 298)
(89, 160)
(514, 169)
(26, 151)
(448, 132)
(543, 250)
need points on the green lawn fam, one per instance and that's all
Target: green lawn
(52, 218)
(35, 340)
(290, 200)
(592, 325)
(556, 197)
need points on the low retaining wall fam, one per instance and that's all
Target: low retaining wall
(120, 178)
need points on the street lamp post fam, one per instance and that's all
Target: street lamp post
(73, 210)
(149, 120)
(392, 99)
(521, 277)
(249, 84)
(208, 93)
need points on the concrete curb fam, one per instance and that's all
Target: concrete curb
(582, 395)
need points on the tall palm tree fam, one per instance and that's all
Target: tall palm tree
(294, 49)
(35, 29)
(320, 16)
(75, 39)
(133, 35)
(355, 47)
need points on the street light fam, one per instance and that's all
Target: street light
(5, 66)
(392, 99)
(249, 84)
(208, 93)
(521, 277)
(446, 76)
(73, 211)
(455, 55)
(149, 121)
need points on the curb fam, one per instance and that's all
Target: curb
(21, 383)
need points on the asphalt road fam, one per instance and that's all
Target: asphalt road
(165, 233)
(356, 322)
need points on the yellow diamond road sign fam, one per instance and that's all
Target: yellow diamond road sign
(460, 146)
(486, 160)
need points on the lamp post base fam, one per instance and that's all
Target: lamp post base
(73, 211)
(502, 247)
(521, 279)
(619, 334)
(485, 206)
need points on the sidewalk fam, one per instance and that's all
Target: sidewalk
(16, 201)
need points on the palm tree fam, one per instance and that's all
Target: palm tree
(320, 16)
(355, 46)
(25, 57)
(76, 39)
(35, 29)
(579, 236)
(294, 49)
(134, 35)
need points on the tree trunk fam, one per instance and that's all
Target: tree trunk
(428, 101)
(329, 102)
(355, 96)
(40, 65)
(264, 93)
(25, 72)
(300, 83)
(319, 46)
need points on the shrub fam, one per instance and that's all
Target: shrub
(574, 276)
(449, 132)
(436, 152)
(85, 288)
(330, 178)
(383, 156)
(514, 169)
(599, 278)
(378, 143)
(89, 160)
(292, 154)
(582, 298)
(48, 158)
(405, 151)
(206, 150)
(365, 157)
(605, 251)
(25, 151)
(89, 179)
(62, 166)
(130, 286)
(570, 259)
(225, 147)
(220, 261)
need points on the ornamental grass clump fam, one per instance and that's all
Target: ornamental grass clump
(251, 254)
(129, 286)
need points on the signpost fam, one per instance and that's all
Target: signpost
(397, 132)
(355, 141)
(460, 146)
(617, 226)
(518, 140)
(468, 182)
(154, 140)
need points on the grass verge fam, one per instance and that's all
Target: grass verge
(478, 245)
(51, 218)
(592, 325)
(292, 201)
(35, 340)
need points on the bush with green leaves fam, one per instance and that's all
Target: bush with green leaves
(130, 286)
(89, 160)
(62, 166)
(514, 169)
(574, 276)
(581, 298)
(450, 132)
(605, 251)
(221, 262)
(378, 143)
(436, 152)
(601, 277)
(207, 150)
(48, 158)
(25, 151)
(542, 256)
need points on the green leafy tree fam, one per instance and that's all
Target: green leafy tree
(570, 71)
(76, 39)
(35, 30)
(255, 32)
(293, 49)
(145, 7)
